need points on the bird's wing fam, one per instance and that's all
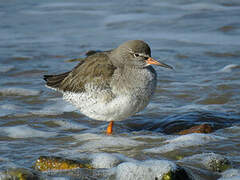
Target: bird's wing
(95, 69)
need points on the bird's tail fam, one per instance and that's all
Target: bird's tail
(54, 81)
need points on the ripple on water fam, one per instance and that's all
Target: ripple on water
(57, 107)
(231, 174)
(6, 68)
(17, 91)
(7, 109)
(95, 142)
(216, 99)
(70, 125)
(24, 131)
(185, 141)
(229, 68)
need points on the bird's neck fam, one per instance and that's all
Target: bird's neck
(131, 78)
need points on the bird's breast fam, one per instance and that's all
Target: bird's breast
(135, 82)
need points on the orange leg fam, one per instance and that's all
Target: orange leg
(109, 128)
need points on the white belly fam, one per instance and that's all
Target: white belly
(120, 108)
(119, 102)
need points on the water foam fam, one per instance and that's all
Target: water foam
(147, 170)
(104, 160)
(5, 68)
(7, 109)
(59, 107)
(229, 68)
(94, 142)
(16, 91)
(184, 141)
(70, 125)
(25, 131)
(231, 174)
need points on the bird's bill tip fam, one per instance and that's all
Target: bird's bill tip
(155, 62)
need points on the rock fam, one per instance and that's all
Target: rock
(216, 162)
(18, 174)
(203, 128)
(210, 161)
(151, 170)
(45, 163)
(105, 160)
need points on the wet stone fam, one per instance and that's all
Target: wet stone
(18, 174)
(203, 128)
(104, 160)
(151, 170)
(211, 161)
(45, 163)
(216, 162)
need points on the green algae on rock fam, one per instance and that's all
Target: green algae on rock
(44, 163)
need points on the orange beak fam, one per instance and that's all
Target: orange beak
(155, 62)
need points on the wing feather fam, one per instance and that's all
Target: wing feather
(96, 69)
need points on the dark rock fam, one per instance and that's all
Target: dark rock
(203, 128)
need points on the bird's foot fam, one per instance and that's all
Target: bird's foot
(110, 128)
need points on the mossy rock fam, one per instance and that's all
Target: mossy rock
(211, 161)
(45, 163)
(217, 163)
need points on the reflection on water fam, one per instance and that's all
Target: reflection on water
(199, 39)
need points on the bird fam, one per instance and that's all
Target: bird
(110, 85)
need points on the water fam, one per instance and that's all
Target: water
(199, 39)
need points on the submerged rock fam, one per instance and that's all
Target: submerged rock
(203, 128)
(210, 161)
(18, 174)
(151, 170)
(216, 162)
(105, 160)
(45, 163)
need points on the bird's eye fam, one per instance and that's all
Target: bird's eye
(136, 55)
